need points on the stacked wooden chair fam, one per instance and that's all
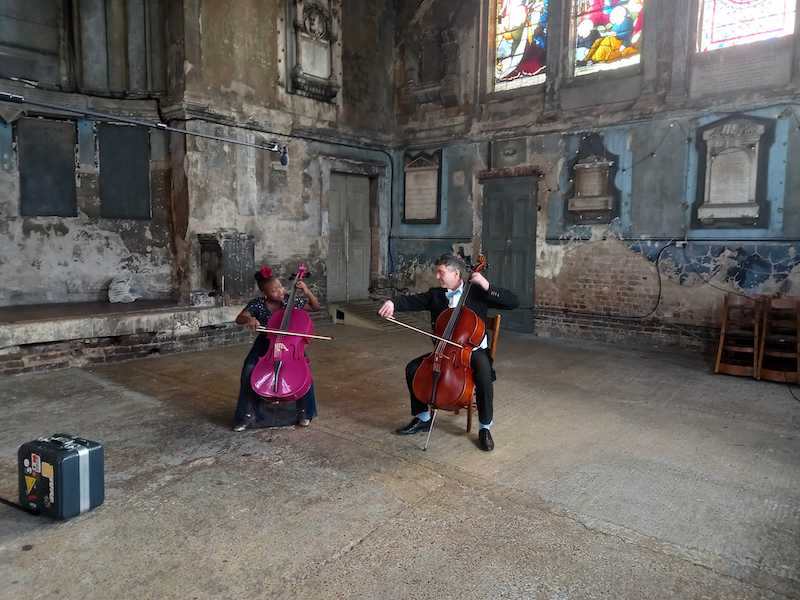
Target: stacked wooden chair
(760, 338)
(779, 351)
(740, 336)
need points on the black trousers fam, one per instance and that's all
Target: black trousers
(483, 374)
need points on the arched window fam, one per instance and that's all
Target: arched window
(520, 43)
(724, 23)
(607, 34)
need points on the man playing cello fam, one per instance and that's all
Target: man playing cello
(450, 272)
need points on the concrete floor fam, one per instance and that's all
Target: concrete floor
(617, 474)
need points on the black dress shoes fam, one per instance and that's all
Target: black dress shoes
(414, 427)
(485, 440)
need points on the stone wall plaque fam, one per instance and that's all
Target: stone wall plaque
(591, 195)
(422, 184)
(592, 186)
(509, 153)
(310, 47)
(731, 174)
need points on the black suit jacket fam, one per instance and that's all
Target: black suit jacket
(479, 300)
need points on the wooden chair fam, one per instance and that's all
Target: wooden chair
(779, 352)
(493, 330)
(739, 339)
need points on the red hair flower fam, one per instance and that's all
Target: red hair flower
(266, 272)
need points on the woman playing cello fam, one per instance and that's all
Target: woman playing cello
(256, 314)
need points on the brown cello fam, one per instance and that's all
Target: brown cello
(444, 379)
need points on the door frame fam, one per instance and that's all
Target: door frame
(379, 200)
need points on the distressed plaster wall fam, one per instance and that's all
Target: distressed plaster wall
(224, 72)
(647, 116)
(416, 76)
(284, 208)
(56, 259)
(234, 66)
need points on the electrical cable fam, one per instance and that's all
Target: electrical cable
(17, 99)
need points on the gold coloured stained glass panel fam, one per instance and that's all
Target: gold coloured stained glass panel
(607, 34)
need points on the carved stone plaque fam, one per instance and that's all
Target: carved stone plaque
(310, 48)
(731, 174)
(731, 178)
(509, 153)
(591, 186)
(422, 179)
(315, 57)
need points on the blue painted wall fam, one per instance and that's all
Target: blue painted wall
(657, 181)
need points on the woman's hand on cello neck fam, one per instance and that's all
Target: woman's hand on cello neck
(313, 302)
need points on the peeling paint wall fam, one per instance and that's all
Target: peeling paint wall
(648, 118)
(223, 71)
(235, 58)
(284, 208)
(249, 191)
(235, 71)
(416, 76)
(57, 259)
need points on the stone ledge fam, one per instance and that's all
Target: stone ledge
(173, 321)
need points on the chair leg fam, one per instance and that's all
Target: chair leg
(762, 341)
(721, 345)
(469, 417)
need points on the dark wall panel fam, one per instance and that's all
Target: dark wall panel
(124, 171)
(46, 150)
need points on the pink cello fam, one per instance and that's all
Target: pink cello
(284, 373)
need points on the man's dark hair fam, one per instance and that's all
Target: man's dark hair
(451, 261)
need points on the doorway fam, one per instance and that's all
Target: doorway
(349, 238)
(509, 243)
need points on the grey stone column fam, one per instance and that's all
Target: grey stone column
(559, 52)
(683, 13)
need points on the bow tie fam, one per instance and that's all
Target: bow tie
(451, 293)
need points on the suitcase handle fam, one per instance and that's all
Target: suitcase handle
(66, 441)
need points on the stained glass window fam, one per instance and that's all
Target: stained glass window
(607, 34)
(520, 43)
(726, 23)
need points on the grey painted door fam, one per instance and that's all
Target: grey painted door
(349, 238)
(509, 243)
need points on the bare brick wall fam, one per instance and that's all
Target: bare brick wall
(601, 277)
(605, 290)
(631, 332)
